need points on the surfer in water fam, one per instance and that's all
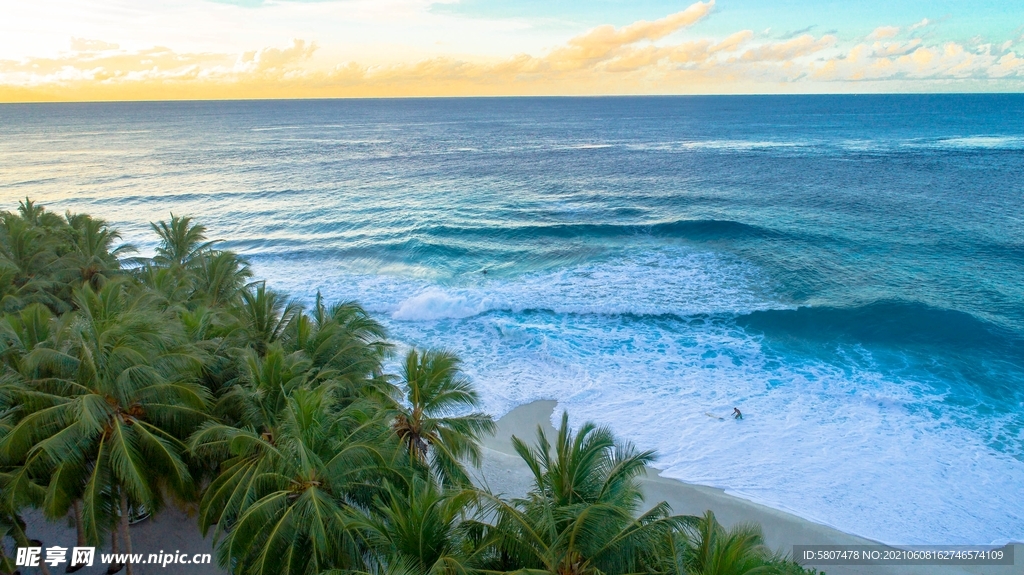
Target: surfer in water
(736, 413)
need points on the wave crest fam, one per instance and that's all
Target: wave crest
(434, 304)
(674, 282)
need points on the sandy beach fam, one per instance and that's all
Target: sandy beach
(504, 472)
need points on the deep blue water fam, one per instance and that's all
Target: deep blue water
(848, 270)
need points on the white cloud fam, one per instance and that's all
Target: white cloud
(924, 22)
(884, 32)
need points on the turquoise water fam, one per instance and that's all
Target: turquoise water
(848, 271)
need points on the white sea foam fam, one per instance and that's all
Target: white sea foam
(742, 144)
(832, 443)
(586, 147)
(832, 146)
(835, 444)
(435, 303)
(722, 145)
(842, 443)
(972, 142)
(668, 282)
(989, 142)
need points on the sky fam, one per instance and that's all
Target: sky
(85, 50)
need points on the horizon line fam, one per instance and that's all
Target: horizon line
(518, 96)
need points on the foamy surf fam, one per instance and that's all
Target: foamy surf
(434, 303)
(649, 344)
(678, 282)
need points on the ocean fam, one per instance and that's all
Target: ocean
(846, 270)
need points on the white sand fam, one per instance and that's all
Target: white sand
(504, 472)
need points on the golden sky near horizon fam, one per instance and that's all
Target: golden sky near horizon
(55, 50)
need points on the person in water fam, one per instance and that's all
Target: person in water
(736, 413)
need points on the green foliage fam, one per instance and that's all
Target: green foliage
(105, 414)
(432, 424)
(707, 548)
(132, 383)
(280, 501)
(182, 244)
(424, 527)
(44, 257)
(11, 526)
(582, 515)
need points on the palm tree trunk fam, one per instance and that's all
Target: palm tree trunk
(76, 513)
(125, 534)
(114, 566)
(76, 508)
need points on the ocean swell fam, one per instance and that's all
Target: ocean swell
(888, 322)
(687, 229)
(668, 282)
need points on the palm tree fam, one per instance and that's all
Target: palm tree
(169, 289)
(27, 262)
(11, 525)
(705, 547)
(281, 497)
(425, 527)
(37, 215)
(21, 332)
(580, 516)
(182, 243)
(430, 425)
(93, 257)
(208, 330)
(105, 423)
(263, 317)
(265, 383)
(345, 345)
(220, 276)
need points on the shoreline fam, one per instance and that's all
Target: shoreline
(504, 472)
